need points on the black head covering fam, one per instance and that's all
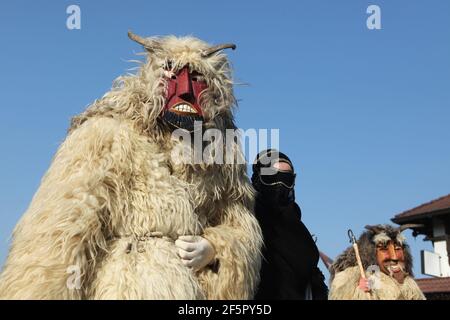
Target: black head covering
(276, 186)
(290, 254)
(267, 157)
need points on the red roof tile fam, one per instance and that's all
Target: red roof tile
(429, 285)
(439, 204)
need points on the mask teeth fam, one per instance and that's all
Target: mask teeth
(185, 108)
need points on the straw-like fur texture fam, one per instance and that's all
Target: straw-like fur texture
(114, 199)
(345, 272)
(367, 250)
(345, 287)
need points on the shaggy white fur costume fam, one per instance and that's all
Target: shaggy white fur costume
(114, 200)
(345, 287)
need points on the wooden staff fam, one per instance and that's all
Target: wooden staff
(358, 257)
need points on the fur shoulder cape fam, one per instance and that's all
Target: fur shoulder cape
(344, 286)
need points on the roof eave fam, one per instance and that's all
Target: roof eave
(414, 218)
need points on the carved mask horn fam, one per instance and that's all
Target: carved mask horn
(208, 52)
(375, 229)
(150, 45)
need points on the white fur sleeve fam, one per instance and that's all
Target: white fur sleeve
(55, 244)
(237, 242)
(345, 286)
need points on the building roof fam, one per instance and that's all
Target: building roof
(434, 285)
(434, 207)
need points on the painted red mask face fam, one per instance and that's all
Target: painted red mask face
(391, 260)
(183, 96)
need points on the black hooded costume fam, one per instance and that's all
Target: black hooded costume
(289, 269)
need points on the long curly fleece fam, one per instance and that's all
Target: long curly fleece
(345, 272)
(116, 197)
(345, 287)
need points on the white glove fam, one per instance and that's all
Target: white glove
(195, 252)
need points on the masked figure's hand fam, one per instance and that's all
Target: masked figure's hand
(195, 252)
(364, 285)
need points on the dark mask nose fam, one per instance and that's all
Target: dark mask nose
(392, 253)
(184, 85)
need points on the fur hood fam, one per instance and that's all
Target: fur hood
(367, 250)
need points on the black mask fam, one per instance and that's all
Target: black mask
(279, 191)
(275, 187)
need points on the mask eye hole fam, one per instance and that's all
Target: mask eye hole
(168, 65)
(168, 70)
(197, 77)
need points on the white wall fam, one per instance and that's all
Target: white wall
(440, 247)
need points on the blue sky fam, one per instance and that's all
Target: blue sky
(362, 113)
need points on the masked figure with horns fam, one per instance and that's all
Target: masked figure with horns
(388, 264)
(119, 215)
